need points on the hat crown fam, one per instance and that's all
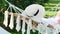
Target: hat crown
(35, 9)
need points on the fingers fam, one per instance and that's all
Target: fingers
(50, 26)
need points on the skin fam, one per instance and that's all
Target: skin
(58, 20)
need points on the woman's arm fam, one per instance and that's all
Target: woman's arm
(58, 21)
(35, 24)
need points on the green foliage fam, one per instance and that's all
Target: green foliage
(2, 5)
(20, 3)
(42, 2)
(50, 14)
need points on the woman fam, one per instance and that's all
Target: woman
(52, 22)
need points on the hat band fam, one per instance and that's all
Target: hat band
(34, 14)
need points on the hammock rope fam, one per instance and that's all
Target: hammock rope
(18, 26)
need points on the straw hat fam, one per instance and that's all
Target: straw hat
(35, 11)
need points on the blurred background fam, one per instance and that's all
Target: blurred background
(51, 7)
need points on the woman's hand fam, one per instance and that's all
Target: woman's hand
(50, 26)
